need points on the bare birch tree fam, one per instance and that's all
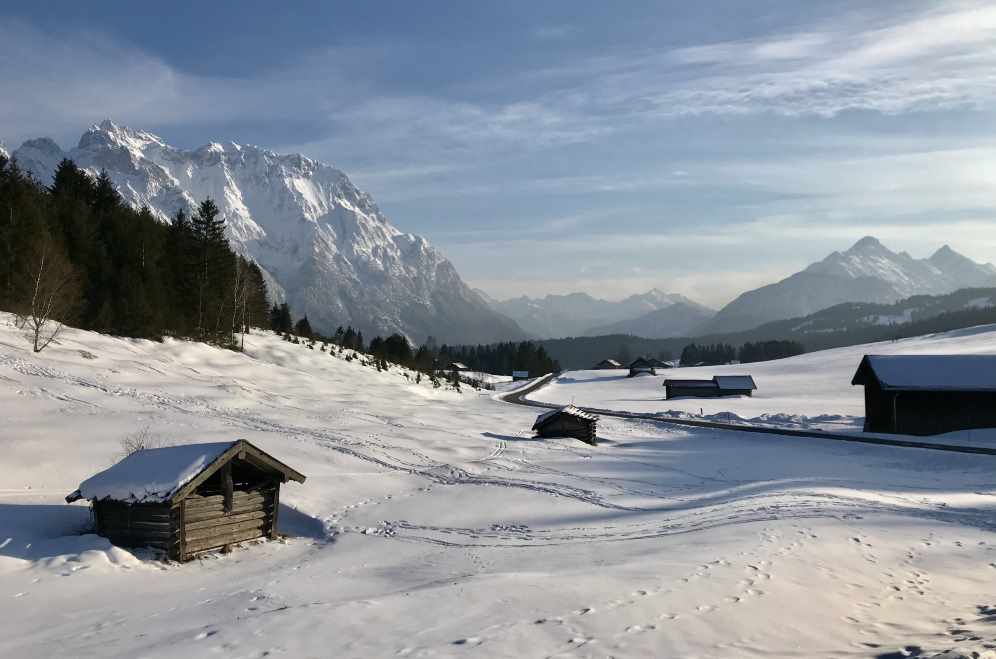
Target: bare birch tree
(49, 294)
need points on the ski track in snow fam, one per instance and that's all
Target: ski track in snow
(770, 536)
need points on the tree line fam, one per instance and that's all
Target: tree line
(76, 253)
(724, 353)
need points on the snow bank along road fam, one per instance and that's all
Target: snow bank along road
(433, 525)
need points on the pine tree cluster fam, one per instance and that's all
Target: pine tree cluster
(129, 274)
(723, 353)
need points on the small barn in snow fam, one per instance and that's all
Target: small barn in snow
(458, 366)
(641, 366)
(719, 385)
(607, 364)
(567, 421)
(928, 394)
(187, 499)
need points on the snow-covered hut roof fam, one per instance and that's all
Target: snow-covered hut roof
(929, 372)
(458, 366)
(734, 382)
(720, 382)
(567, 409)
(161, 474)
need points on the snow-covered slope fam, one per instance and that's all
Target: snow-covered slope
(867, 272)
(326, 244)
(432, 524)
(579, 314)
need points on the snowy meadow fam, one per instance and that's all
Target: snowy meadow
(432, 524)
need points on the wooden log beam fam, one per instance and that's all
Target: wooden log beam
(223, 531)
(194, 525)
(203, 514)
(194, 546)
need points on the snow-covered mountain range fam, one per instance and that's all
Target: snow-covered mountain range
(679, 319)
(867, 272)
(328, 248)
(580, 314)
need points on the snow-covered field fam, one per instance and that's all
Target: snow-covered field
(811, 390)
(432, 525)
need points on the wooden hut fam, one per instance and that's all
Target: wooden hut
(607, 364)
(928, 394)
(641, 366)
(567, 421)
(188, 499)
(458, 366)
(719, 385)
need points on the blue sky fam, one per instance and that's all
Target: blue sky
(702, 148)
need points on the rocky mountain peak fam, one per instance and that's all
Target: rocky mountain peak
(320, 240)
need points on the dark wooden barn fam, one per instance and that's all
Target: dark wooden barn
(567, 421)
(607, 364)
(928, 394)
(719, 385)
(188, 499)
(458, 366)
(641, 366)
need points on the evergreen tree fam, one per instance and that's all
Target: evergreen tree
(280, 318)
(303, 328)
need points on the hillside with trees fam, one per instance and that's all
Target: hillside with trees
(76, 253)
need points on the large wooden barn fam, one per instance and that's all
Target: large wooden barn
(568, 421)
(188, 499)
(719, 385)
(928, 394)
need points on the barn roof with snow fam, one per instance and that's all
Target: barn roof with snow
(928, 394)
(719, 385)
(929, 372)
(569, 410)
(165, 474)
(608, 363)
(567, 421)
(183, 500)
(739, 382)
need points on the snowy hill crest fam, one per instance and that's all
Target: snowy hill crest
(325, 243)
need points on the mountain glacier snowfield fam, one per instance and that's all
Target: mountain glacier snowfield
(432, 524)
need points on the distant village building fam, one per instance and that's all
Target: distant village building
(657, 363)
(607, 364)
(458, 366)
(567, 421)
(928, 394)
(719, 385)
(187, 499)
(520, 375)
(641, 366)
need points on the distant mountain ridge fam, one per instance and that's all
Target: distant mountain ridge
(324, 243)
(867, 272)
(578, 314)
(679, 319)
